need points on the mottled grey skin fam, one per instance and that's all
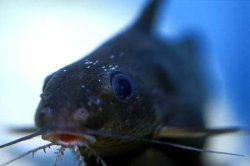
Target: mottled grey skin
(168, 92)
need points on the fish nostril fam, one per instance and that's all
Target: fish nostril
(81, 114)
(45, 112)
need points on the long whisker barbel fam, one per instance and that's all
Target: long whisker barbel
(105, 134)
(112, 135)
(98, 158)
(79, 157)
(59, 155)
(29, 152)
(27, 137)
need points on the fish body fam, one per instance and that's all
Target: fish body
(130, 87)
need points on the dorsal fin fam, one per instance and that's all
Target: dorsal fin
(146, 20)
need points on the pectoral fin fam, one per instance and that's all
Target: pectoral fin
(173, 132)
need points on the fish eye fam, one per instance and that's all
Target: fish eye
(123, 86)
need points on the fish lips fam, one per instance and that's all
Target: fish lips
(68, 138)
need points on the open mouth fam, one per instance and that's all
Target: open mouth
(69, 139)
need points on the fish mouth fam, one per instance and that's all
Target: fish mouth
(69, 139)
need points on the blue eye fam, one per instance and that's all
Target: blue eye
(123, 86)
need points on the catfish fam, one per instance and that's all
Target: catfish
(135, 100)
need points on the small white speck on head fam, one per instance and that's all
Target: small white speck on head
(88, 67)
(112, 56)
(113, 67)
(103, 67)
(99, 80)
(64, 70)
(82, 86)
(88, 62)
(110, 65)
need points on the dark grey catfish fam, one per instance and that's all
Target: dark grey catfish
(136, 100)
